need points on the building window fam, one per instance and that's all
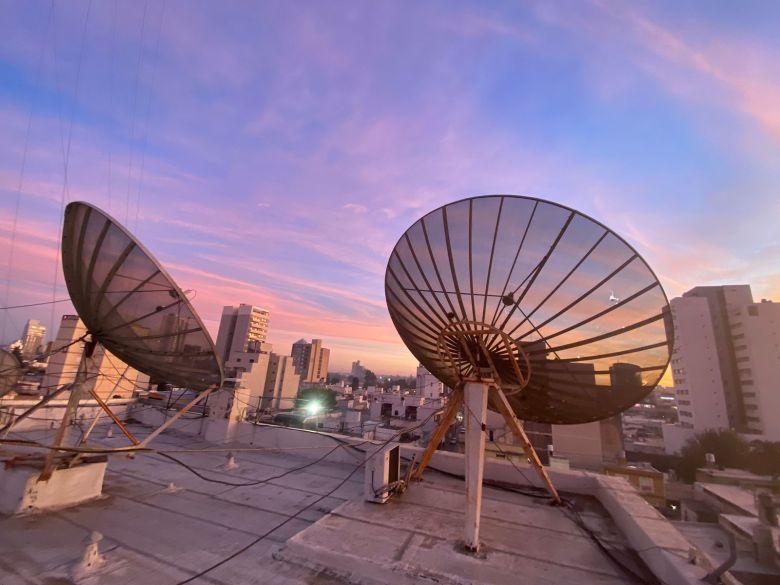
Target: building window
(646, 485)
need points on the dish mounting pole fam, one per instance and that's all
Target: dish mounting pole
(462, 345)
(76, 392)
(475, 401)
(178, 415)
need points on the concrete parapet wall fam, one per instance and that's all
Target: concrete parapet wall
(224, 431)
(578, 482)
(656, 540)
(155, 417)
(50, 416)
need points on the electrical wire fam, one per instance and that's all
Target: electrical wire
(151, 85)
(102, 293)
(272, 530)
(248, 483)
(133, 117)
(65, 195)
(33, 304)
(20, 184)
(283, 523)
(111, 107)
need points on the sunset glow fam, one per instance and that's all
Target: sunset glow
(273, 154)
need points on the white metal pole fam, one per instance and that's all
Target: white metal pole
(475, 400)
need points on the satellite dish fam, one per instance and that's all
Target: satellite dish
(510, 302)
(521, 290)
(131, 305)
(133, 308)
(11, 371)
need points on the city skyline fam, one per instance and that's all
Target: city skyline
(280, 170)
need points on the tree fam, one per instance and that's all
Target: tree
(729, 448)
(369, 379)
(764, 458)
(316, 399)
(355, 384)
(404, 383)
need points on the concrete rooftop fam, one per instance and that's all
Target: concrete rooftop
(158, 533)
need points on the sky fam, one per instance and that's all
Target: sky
(272, 153)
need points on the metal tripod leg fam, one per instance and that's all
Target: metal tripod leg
(176, 416)
(105, 409)
(76, 391)
(506, 410)
(456, 399)
(118, 422)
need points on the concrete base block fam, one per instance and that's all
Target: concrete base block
(22, 493)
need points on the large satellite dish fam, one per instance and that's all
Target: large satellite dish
(565, 314)
(11, 371)
(131, 305)
(528, 308)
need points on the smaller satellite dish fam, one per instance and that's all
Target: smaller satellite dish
(11, 371)
(131, 305)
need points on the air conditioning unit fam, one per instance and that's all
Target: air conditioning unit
(382, 473)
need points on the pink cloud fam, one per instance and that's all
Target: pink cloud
(701, 65)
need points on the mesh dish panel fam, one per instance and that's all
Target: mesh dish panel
(11, 371)
(131, 305)
(581, 303)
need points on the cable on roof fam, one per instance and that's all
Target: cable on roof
(248, 483)
(289, 518)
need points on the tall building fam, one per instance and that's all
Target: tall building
(245, 354)
(109, 376)
(261, 380)
(281, 383)
(32, 338)
(242, 329)
(310, 360)
(726, 361)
